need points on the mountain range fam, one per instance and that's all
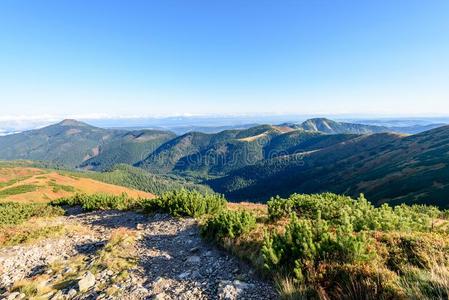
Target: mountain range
(261, 161)
(386, 167)
(72, 143)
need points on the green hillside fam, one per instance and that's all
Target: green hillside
(72, 143)
(204, 155)
(128, 176)
(129, 148)
(69, 142)
(386, 167)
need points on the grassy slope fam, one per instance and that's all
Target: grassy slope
(48, 185)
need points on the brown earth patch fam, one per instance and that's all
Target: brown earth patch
(54, 185)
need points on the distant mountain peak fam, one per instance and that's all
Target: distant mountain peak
(328, 126)
(71, 122)
(319, 120)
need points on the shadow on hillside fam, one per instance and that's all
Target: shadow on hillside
(110, 219)
(90, 247)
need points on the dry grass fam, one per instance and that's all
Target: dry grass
(427, 284)
(259, 210)
(37, 229)
(253, 138)
(53, 185)
(119, 254)
(33, 288)
(288, 289)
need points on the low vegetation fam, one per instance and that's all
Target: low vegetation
(26, 223)
(182, 203)
(56, 188)
(327, 246)
(228, 224)
(100, 202)
(187, 203)
(13, 213)
(28, 233)
(13, 181)
(362, 214)
(19, 189)
(112, 257)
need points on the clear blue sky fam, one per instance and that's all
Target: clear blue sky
(211, 57)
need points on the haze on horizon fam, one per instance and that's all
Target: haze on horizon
(158, 58)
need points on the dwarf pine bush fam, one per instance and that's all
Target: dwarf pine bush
(13, 213)
(228, 224)
(362, 214)
(186, 203)
(306, 243)
(100, 202)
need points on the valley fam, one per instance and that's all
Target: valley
(252, 164)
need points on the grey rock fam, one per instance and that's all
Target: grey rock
(193, 260)
(59, 295)
(160, 296)
(184, 275)
(13, 296)
(86, 282)
(71, 293)
(194, 249)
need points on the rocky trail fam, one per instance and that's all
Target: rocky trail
(173, 262)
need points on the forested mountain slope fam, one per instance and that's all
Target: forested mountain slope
(218, 154)
(386, 167)
(72, 143)
(128, 148)
(69, 142)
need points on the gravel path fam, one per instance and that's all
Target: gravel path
(174, 262)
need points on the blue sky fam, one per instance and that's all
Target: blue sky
(146, 58)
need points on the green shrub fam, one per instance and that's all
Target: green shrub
(186, 203)
(100, 202)
(228, 224)
(363, 215)
(278, 207)
(13, 213)
(306, 243)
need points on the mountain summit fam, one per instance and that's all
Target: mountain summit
(73, 123)
(333, 127)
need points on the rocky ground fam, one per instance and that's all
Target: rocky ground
(172, 262)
